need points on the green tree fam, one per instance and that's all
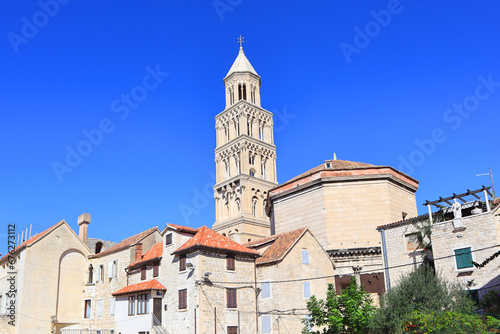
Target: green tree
(349, 312)
(423, 291)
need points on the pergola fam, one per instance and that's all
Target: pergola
(449, 200)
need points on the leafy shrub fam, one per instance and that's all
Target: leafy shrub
(449, 323)
(423, 291)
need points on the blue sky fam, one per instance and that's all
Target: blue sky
(410, 84)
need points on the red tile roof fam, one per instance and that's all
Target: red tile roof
(281, 245)
(344, 168)
(207, 238)
(126, 242)
(335, 165)
(153, 253)
(36, 237)
(143, 286)
(182, 228)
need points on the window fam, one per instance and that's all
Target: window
(463, 257)
(265, 324)
(143, 273)
(91, 274)
(263, 170)
(252, 172)
(168, 239)
(307, 289)
(182, 262)
(265, 288)
(87, 308)
(99, 308)
(232, 329)
(182, 298)
(112, 268)
(142, 304)
(305, 256)
(412, 242)
(231, 298)
(101, 273)
(98, 247)
(254, 207)
(156, 269)
(131, 305)
(112, 306)
(230, 262)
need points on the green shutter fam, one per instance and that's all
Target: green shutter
(463, 257)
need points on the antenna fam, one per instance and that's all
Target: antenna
(491, 178)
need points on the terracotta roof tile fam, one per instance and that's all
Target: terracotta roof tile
(143, 286)
(154, 252)
(279, 248)
(406, 221)
(335, 165)
(259, 242)
(33, 239)
(182, 228)
(126, 242)
(207, 238)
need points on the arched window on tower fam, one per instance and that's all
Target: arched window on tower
(252, 172)
(261, 131)
(240, 92)
(226, 132)
(236, 127)
(263, 170)
(251, 158)
(226, 167)
(249, 126)
(244, 92)
(254, 206)
(98, 247)
(252, 94)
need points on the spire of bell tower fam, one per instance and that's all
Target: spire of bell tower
(242, 81)
(245, 156)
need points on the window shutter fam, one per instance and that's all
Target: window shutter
(265, 322)
(307, 290)
(112, 306)
(110, 269)
(305, 256)
(266, 290)
(99, 308)
(115, 268)
(98, 272)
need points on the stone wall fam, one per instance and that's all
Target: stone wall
(480, 233)
(289, 296)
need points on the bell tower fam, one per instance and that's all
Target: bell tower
(245, 156)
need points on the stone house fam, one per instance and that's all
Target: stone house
(287, 263)
(106, 274)
(471, 234)
(49, 274)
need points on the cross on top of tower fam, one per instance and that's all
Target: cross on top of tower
(241, 41)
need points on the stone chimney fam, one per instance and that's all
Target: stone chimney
(138, 252)
(83, 222)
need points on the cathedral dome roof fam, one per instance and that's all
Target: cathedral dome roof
(241, 64)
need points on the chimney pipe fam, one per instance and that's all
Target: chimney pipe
(138, 252)
(83, 222)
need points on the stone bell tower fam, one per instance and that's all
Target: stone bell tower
(245, 156)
